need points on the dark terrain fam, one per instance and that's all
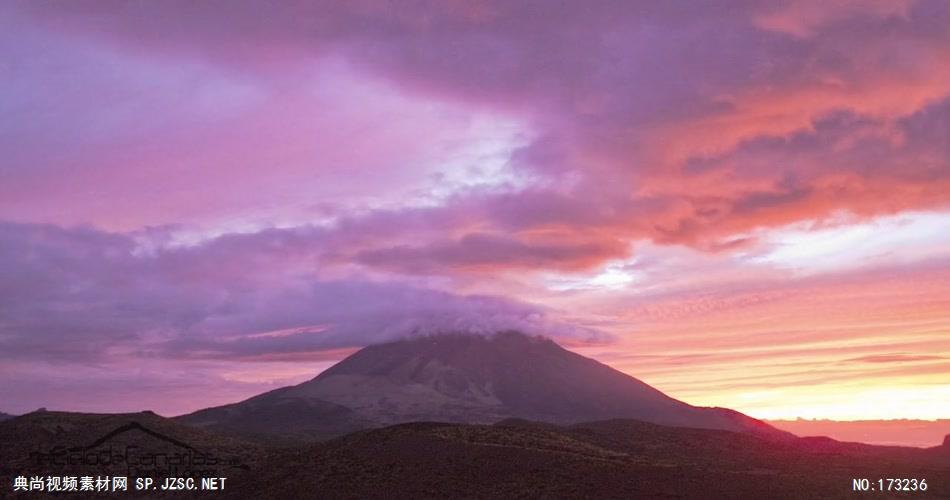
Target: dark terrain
(609, 459)
(511, 459)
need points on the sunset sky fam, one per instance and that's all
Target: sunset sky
(743, 204)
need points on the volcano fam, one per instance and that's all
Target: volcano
(457, 378)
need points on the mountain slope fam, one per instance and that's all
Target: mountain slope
(463, 379)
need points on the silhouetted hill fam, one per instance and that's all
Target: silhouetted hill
(462, 379)
(5, 416)
(609, 459)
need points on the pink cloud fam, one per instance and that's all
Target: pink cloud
(597, 86)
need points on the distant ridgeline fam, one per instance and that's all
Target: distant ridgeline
(919, 433)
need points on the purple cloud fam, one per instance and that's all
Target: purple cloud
(80, 294)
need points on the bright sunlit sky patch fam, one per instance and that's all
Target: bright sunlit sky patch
(896, 239)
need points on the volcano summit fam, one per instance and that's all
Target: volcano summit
(462, 379)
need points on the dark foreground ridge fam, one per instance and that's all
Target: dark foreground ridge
(461, 379)
(513, 458)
